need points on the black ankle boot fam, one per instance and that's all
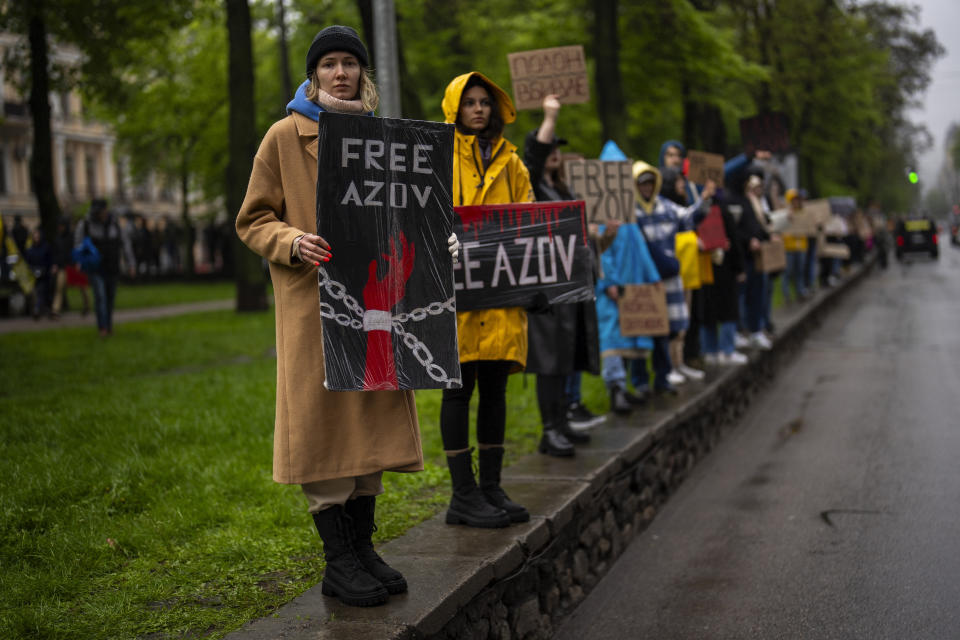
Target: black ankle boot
(361, 510)
(468, 505)
(553, 443)
(491, 462)
(345, 578)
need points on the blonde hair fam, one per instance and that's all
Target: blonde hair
(367, 94)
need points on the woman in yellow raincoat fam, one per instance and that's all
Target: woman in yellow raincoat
(492, 342)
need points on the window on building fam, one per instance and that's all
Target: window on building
(70, 177)
(91, 170)
(65, 105)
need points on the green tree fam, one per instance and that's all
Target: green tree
(243, 138)
(96, 28)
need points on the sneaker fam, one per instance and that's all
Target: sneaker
(580, 417)
(733, 359)
(691, 373)
(739, 342)
(760, 341)
(675, 377)
(711, 359)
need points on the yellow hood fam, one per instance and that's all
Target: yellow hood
(642, 167)
(451, 98)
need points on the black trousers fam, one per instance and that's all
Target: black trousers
(490, 377)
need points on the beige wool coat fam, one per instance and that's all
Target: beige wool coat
(318, 434)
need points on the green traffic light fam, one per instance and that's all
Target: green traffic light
(913, 177)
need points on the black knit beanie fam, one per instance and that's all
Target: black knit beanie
(336, 38)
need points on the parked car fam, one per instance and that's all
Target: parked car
(917, 236)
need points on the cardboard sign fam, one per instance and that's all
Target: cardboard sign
(606, 187)
(772, 256)
(711, 232)
(703, 166)
(386, 299)
(643, 310)
(765, 132)
(834, 250)
(801, 225)
(560, 70)
(819, 210)
(518, 255)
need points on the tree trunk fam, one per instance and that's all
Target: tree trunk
(607, 80)
(41, 160)
(251, 279)
(285, 84)
(189, 233)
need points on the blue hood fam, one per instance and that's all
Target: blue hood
(612, 153)
(300, 104)
(671, 143)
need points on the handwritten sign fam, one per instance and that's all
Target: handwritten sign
(772, 256)
(643, 310)
(765, 132)
(560, 70)
(819, 210)
(513, 254)
(383, 199)
(606, 187)
(703, 166)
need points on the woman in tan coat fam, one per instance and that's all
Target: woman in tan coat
(336, 445)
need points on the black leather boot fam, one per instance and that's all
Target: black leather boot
(468, 505)
(491, 462)
(345, 578)
(361, 510)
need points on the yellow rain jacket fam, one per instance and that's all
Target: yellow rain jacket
(488, 334)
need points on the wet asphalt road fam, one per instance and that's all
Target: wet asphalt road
(833, 509)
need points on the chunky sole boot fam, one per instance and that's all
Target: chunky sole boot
(345, 578)
(491, 463)
(361, 510)
(619, 403)
(468, 505)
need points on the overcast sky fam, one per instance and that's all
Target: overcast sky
(941, 105)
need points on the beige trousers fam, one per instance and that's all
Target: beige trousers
(327, 493)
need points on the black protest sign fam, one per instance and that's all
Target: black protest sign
(518, 255)
(384, 203)
(606, 187)
(765, 132)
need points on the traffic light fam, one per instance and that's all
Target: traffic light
(913, 177)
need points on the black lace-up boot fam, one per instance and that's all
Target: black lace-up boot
(491, 462)
(361, 510)
(468, 505)
(345, 577)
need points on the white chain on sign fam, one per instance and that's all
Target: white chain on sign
(420, 351)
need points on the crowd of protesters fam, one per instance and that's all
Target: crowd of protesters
(135, 249)
(337, 445)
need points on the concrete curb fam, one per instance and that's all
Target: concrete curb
(519, 582)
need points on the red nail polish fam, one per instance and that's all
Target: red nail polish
(316, 264)
(326, 259)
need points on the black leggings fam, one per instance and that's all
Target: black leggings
(552, 399)
(490, 377)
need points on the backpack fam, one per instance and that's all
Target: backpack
(86, 255)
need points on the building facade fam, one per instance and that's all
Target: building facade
(85, 162)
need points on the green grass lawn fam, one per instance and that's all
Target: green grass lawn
(135, 483)
(138, 296)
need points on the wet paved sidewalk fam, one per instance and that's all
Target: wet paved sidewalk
(76, 319)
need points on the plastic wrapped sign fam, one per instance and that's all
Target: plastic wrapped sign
(384, 204)
(522, 255)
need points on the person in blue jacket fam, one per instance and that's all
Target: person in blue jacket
(626, 261)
